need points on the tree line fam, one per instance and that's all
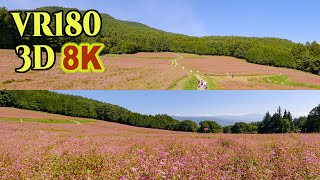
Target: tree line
(77, 106)
(279, 123)
(130, 37)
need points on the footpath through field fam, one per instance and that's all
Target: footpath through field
(176, 64)
(175, 61)
(77, 122)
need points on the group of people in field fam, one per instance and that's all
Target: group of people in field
(202, 83)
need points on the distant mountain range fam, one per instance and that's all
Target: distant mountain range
(224, 120)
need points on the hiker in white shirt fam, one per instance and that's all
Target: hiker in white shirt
(205, 84)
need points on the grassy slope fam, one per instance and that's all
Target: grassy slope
(45, 120)
(176, 82)
(212, 84)
(283, 80)
(191, 83)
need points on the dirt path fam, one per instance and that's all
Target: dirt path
(176, 64)
(175, 61)
(77, 122)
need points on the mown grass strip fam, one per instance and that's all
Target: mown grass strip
(191, 83)
(283, 80)
(212, 84)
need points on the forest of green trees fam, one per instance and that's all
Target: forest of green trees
(279, 122)
(76, 106)
(130, 37)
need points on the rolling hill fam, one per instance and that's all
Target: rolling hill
(131, 37)
(105, 150)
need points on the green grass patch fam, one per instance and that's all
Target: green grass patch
(277, 79)
(186, 56)
(113, 55)
(192, 83)
(212, 84)
(48, 121)
(283, 80)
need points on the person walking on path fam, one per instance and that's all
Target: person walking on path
(205, 84)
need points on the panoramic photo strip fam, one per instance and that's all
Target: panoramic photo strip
(190, 135)
(65, 45)
(159, 90)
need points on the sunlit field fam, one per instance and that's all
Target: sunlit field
(100, 150)
(143, 71)
(235, 74)
(158, 71)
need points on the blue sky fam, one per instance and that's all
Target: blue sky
(297, 20)
(207, 103)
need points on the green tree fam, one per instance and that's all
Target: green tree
(314, 49)
(240, 52)
(76, 106)
(299, 51)
(128, 47)
(312, 124)
(210, 127)
(266, 125)
(227, 129)
(300, 124)
(7, 35)
(7, 99)
(187, 126)
(284, 126)
(278, 123)
(244, 128)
